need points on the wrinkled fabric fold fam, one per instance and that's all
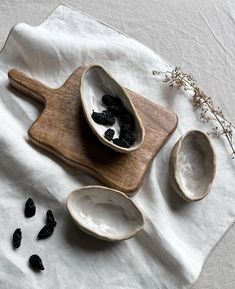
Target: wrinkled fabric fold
(177, 238)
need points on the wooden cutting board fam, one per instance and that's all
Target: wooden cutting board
(62, 130)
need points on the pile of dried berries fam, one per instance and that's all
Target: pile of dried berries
(115, 108)
(29, 211)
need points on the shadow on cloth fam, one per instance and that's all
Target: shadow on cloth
(73, 171)
(26, 98)
(174, 201)
(77, 238)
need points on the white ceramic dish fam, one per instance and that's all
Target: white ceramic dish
(95, 82)
(192, 166)
(105, 213)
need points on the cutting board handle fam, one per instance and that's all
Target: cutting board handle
(29, 86)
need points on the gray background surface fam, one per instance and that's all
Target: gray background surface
(196, 35)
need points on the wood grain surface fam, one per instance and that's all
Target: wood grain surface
(62, 130)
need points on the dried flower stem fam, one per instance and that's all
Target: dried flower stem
(202, 102)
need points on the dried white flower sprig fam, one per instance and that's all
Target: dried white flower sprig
(208, 110)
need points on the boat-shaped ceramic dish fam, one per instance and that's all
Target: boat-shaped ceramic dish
(192, 166)
(95, 83)
(105, 213)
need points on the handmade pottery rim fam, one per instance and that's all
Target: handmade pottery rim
(89, 119)
(100, 236)
(175, 151)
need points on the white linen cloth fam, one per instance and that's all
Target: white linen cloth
(177, 238)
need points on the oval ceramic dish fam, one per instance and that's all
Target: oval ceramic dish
(96, 82)
(192, 166)
(105, 213)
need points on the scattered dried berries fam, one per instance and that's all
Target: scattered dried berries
(30, 208)
(36, 262)
(46, 231)
(50, 219)
(17, 236)
(109, 134)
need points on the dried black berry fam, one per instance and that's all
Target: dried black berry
(104, 118)
(36, 262)
(121, 143)
(129, 138)
(46, 231)
(109, 100)
(17, 236)
(116, 110)
(126, 128)
(30, 208)
(109, 117)
(98, 117)
(128, 134)
(50, 220)
(127, 118)
(109, 134)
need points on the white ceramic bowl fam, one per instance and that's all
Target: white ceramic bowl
(192, 166)
(105, 213)
(95, 82)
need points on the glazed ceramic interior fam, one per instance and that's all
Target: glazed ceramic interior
(96, 83)
(195, 165)
(105, 213)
